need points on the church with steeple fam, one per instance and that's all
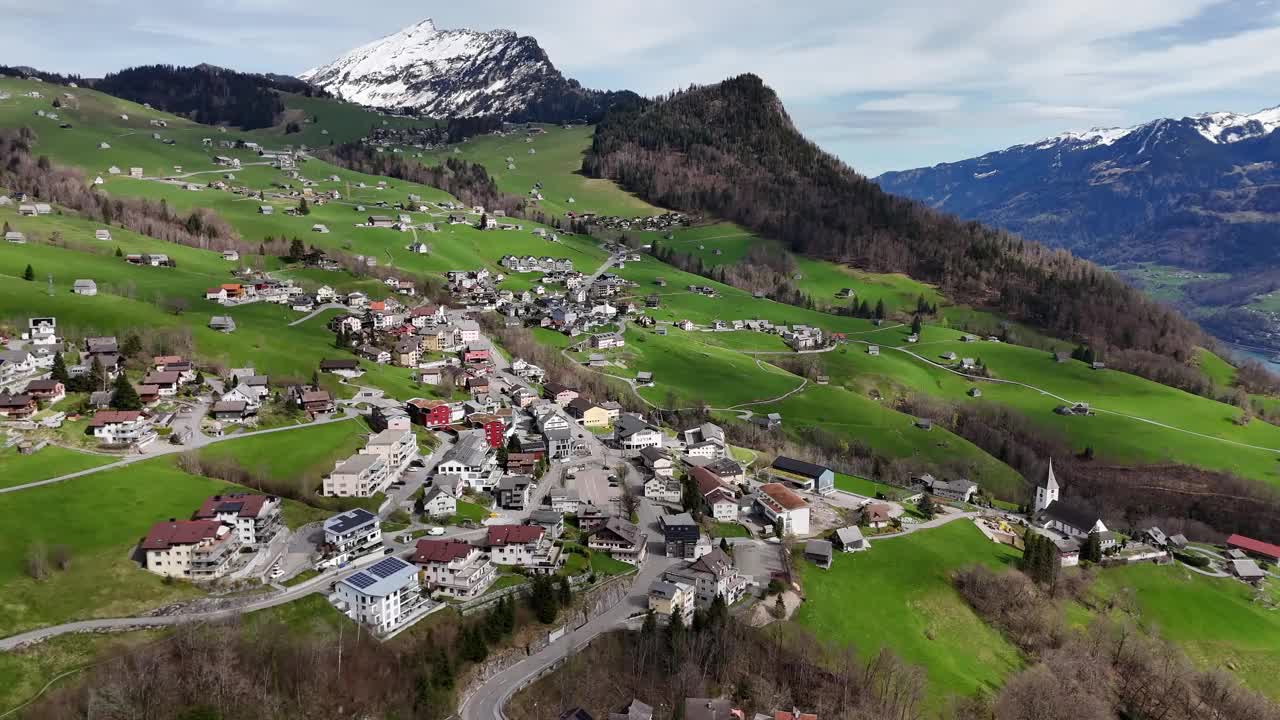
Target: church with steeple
(1046, 491)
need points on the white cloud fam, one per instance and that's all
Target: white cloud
(850, 67)
(912, 102)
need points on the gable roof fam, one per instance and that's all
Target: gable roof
(799, 467)
(246, 505)
(624, 530)
(782, 496)
(1071, 514)
(1248, 544)
(513, 534)
(164, 535)
(441, 551)
(107, 417)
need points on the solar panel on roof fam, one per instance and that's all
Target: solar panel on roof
(361, 580)
(387, 568)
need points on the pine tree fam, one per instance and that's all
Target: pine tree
(1092, 548)
(926, 507)
(566, 592)
(879, 309)
(675, 631)
(119, 252)
(97, 375)
(297, 250)
(29, 274)
(124, 397)
(132, 346)
(59, 371)
(650, 625)
(303, 208)
(916, 325)
(315, 379)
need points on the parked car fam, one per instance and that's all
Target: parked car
(435, 530)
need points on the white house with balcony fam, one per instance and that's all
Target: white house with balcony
(454, 568)
(386, 597)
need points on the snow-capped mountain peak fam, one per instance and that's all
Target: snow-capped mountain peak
(1216, 127)
(454, 73)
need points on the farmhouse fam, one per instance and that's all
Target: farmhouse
(1256, 548)
(958, 489)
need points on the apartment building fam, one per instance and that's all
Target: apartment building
(191, 549)
(397, 448)
(386, 597)
(256, 518)
(454, 568)
(360, 475)
(352, 532)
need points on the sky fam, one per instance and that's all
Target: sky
(883, 85)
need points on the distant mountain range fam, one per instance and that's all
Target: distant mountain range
(461, 73)
(1201, 192)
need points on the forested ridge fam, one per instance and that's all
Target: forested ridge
(208, 95)
(731, 150)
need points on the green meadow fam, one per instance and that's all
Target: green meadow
(1220, 623)
(555, 163)
(898, 595)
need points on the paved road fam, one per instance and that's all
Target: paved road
(315, 584)
(319, 310)
(487, 701)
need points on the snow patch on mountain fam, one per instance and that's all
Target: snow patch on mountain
(445, 73)
(1216, 127)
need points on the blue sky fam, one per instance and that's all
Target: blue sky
(883, 85)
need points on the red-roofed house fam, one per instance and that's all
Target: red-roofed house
(196, 549)
(795, 714)
(720, 501)
(121, 427)
(780, 503)
(523, 545)
(1254, 547)
(256, 518)
(454, 568)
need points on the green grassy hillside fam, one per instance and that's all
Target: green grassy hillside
(898, 595)
(1220, 623)
(555, 163)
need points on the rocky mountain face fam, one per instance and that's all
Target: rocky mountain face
(460, 73)
(1201, 192)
